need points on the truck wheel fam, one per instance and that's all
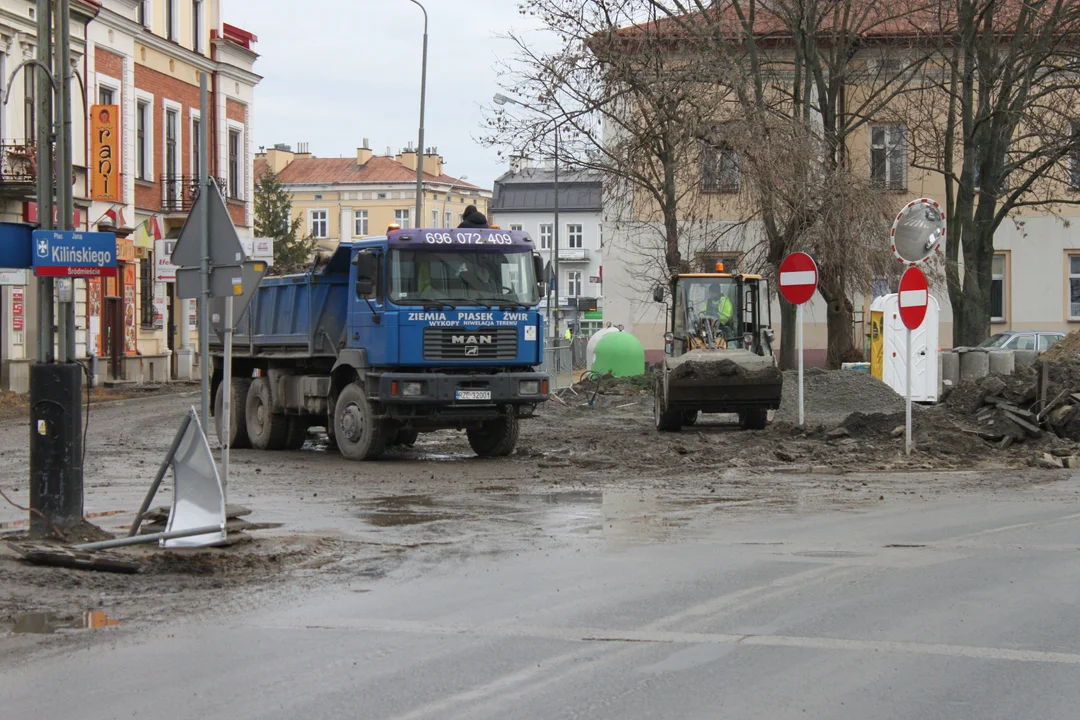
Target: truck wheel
(297, 432)
(238, 434)
(266, 429)
(666, 420)
(755, 419)
(690, 417)
(495, 438)
(359, 434)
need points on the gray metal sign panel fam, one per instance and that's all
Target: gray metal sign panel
(199, 500)
(225, 248)
(225, 281)
(253, 272)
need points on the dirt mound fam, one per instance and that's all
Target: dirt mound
(1067, 348)
(831, 396)
(723, 371)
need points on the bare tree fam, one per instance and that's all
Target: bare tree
(810, 74)
(626, 107)
(995, 116)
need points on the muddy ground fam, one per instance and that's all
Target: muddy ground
(581, 470)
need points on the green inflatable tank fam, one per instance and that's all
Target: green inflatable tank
(620, 354)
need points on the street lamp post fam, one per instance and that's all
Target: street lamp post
(500, 99)
(420, 148)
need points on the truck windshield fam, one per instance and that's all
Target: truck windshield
(420, 277)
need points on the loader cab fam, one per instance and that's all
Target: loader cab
(717, 311)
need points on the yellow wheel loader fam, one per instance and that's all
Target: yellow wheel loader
(718, 351)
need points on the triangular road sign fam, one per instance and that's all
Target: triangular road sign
(225, 248)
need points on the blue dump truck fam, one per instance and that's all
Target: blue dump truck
(389, 337)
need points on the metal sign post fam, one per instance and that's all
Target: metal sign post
(798, 281)
(914, 298)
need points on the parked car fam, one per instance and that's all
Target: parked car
(1022, 340)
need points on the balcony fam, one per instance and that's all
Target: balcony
(18, 167)
(573, 254)
(178, 192)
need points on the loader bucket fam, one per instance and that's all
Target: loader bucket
(722, 381)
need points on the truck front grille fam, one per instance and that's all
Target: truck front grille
(498, 343)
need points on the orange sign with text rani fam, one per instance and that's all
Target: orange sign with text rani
(105, 152)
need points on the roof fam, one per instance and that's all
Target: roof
(533, 190)
(379, 170)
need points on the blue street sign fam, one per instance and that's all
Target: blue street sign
(71, 253)
(15, 245)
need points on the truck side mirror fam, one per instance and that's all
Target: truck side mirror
(365, 288)
(538, 269)
(658, 293)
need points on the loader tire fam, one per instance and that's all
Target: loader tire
(238, 434)
(266, 429)
(495, 438)
(359, 434)
(755, 419)
(666, 420)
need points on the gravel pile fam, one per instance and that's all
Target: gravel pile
(832, 395)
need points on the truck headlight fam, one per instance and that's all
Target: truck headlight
(529, 387)
(412, 389)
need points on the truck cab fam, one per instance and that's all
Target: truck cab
(414, 331)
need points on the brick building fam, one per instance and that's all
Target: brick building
(146, 57)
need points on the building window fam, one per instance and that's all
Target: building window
(360, 218)
(448, 219)
(142, 152)
(196, 148)
(30, 95)
(434, 218)
(146, 293)
(319, 224)
(997, 288)
(1074, 158)
(105, 95)
(234, 164)
(1074, 287)
(719, 168)
(888, 156)
(143, 14)
(170, 143)
(573, 283)
(574, 236)
(196, 25)
(546, 230)
(401, 218)
(170, 19)
(516, 226)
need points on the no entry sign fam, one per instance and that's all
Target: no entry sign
(914, 296)
(798, 278)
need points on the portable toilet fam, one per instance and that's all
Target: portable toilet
(888, 348)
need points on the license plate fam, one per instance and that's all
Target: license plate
(473, 394)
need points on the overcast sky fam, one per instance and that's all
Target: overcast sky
(337, 71)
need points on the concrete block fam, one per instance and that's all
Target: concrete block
(1024, 357)
(1001, 362)
(974, 365)
(949, 362)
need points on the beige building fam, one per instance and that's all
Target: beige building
(344, 198)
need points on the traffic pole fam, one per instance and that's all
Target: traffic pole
(44, 115)
(799, 333)
(204, 269)
(907, 409)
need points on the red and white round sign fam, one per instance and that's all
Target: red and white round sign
(914, 297)
(798, 278)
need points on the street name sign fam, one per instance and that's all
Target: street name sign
(70, 253)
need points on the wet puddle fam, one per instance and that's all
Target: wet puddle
(47, 623)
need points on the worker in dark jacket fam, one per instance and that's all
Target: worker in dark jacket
(473, 218)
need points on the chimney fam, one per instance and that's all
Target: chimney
(407, 157)
(279, 157)
(363, 153)
(433, 162)
(302, 150)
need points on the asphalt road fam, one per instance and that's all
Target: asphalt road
(941, 609)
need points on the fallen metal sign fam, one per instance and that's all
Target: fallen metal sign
(199, 498)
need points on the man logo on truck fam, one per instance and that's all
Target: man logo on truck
(470, 340)
(472, 350)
